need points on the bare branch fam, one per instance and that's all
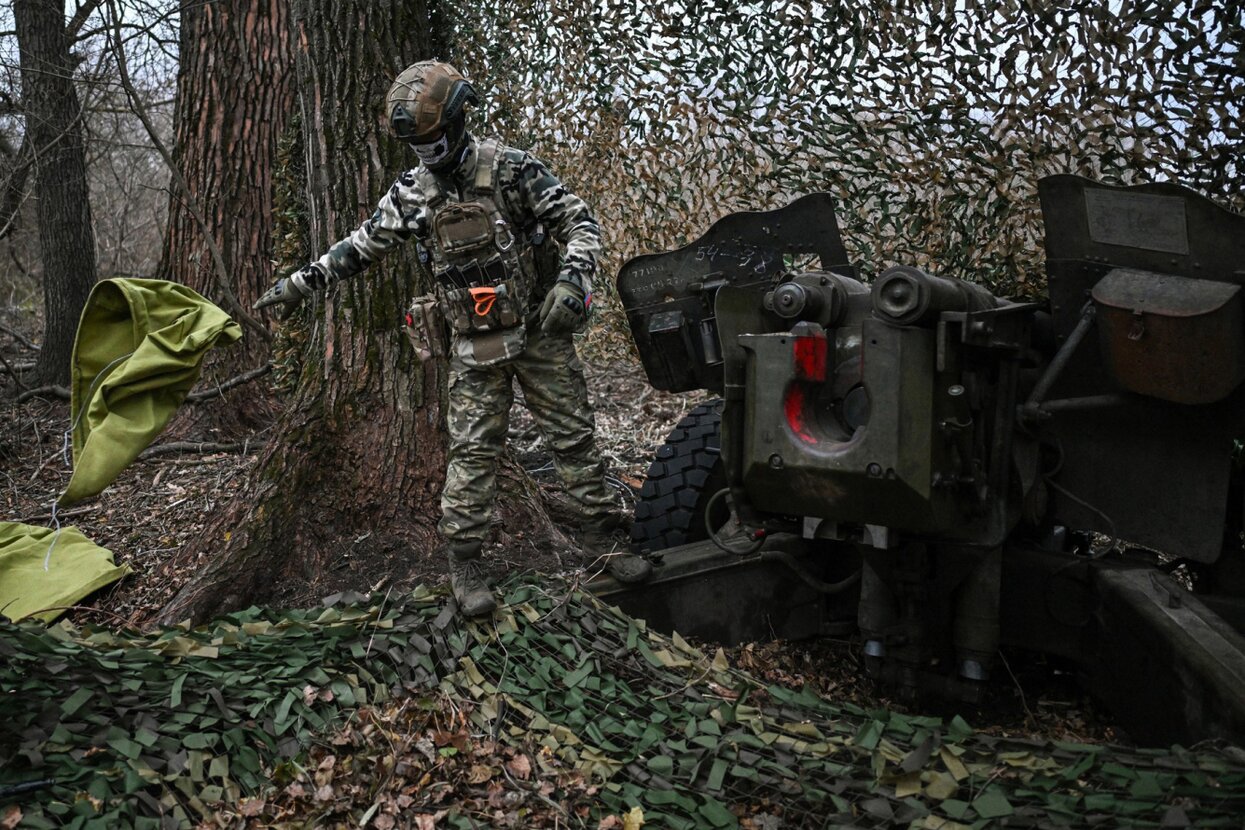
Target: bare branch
(80, 17)
(19, 337)
(13, 373)
(220, 388)
(218, 261)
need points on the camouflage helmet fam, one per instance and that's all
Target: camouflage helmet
(426, 99)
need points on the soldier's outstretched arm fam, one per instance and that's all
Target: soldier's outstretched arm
(395, 220)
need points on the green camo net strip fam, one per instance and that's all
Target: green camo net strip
(102, 727)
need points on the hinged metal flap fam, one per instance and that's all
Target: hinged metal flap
(1166, 295)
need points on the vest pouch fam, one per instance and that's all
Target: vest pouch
(482, 309)
(425, 326)
(546, 259)
(492, 347)
(463, 226)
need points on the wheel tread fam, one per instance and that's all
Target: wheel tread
(674, 492)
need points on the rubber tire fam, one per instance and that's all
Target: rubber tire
(688, 470)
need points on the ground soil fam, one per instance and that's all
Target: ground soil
(162, 501)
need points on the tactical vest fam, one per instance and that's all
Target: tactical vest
(483, 266)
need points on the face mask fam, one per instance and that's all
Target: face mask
(434, 152)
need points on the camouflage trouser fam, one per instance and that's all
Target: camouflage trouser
(552, 379)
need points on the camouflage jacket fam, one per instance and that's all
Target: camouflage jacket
(526, 192)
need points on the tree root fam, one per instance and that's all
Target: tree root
(43, 392)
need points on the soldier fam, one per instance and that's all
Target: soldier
(490, 221)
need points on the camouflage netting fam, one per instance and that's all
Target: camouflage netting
(123, 727)
(930, 123)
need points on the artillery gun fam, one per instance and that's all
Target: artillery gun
(945, 471)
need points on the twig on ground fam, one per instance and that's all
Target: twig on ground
(44, 391)
(84, 608)
(13, 373)
(196, 446)
(62, 514)
(43, 466)
(220, 388)
(534, 789)
(19, 337)
(1031, 721)
(689, 684)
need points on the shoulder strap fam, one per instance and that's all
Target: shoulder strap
(434, 194)
(486, 166)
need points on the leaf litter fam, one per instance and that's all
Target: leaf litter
(440, 723)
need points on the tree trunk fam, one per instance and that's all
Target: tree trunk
(235, 94)
(54, 132)
(347, 493)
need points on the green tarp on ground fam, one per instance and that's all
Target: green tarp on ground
(138, 351)
(76, 566)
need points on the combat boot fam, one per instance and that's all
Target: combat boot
(467, 580)
(602, 540)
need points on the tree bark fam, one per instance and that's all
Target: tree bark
(347, 493)
(55, 135)
(235, 94)
(13, 192)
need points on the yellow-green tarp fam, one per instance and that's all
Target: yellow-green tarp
(138, 352)
(76, 566)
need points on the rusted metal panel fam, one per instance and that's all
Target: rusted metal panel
(1171, 337)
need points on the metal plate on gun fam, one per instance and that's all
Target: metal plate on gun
(1137, 220)
(750, 247)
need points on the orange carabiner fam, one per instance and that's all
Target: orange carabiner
(484, 297)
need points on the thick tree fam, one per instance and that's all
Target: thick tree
(346, 493)
(54, 133)
(235, 94)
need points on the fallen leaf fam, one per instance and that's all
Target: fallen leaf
(251, 807)
(479, 774)
(521, 767)
(633, 820)
(384, 822)
(12, 817)
(610, 823)
(425, 747)
(325, 793)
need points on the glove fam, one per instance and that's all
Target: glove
(287, 294)
(564, 309)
